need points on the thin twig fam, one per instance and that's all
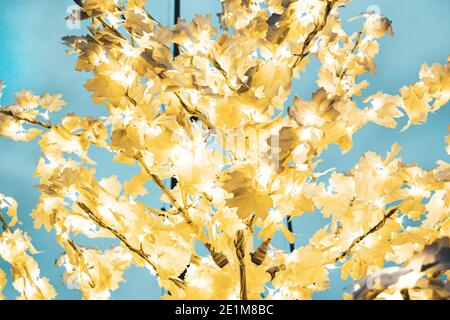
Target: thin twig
(81, 257)
(304, 53)
(194, 112)
(274, 270)
(358, 40)
(240, 253)
(30, 121)
(151, 209)
(374, 229)
(166, 191)
(219, 258)
(5, 224)
(140, 252)
(116, 233)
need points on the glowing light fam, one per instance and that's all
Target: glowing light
(275, 215)
(350, 129)
(309, 118)
(387, 296)
(72, 194)
(310, 134)
(123, 78)
(15, 128)
(202, 283)
(289, 187)
(115, 22)
(194, 48)
(45, 115)
(306, 135)
(283, 52)
(302, 167)
(307, 11)
(382, 172)
(100, 58)
(131, 52)
(194, 97)
(217, 193)
(182, 158)
(332, 267)
(126, 116)
(401, 219)
(417, 191)
(150, 83)
(329, 189)
(50, 202)
(106, 213)
(379, 203)
(408, 280)
(300, 153)
(154, 130)
(258, 116)
(377, 103)
(73, 145)
(82, 224)
(265, 172)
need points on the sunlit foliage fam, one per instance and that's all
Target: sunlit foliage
(218, 119)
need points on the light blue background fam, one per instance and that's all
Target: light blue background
(32, 57)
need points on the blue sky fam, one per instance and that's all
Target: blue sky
(33, 57)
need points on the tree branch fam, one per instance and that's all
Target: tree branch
(194, 112)
(166, 191)
(358, 40)
(140, 252)
(5, 224)
(304, 53)
(117, 234)
(274, 270)
(240, 253)
(81, 256)
(374, 229)
(30, 121)
(219, 258)
(151, 209)
(44, 125)
(189, 110)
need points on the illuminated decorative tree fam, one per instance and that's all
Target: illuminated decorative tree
(213, 119)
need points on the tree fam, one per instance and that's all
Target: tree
(213, 118)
